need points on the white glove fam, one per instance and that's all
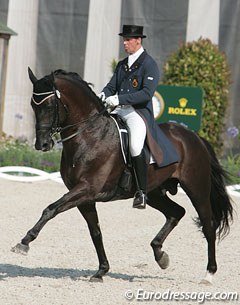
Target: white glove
(102, 96)
(112, 101)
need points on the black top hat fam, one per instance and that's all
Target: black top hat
(132, 31)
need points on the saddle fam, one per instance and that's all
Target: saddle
(123, 131)
(125, 182)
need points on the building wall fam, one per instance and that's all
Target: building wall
(54, 35)
(62, 35)
(3, 11)
(18, 118)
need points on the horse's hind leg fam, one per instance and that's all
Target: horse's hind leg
(173, 213)
(89, 213)
(203, 208)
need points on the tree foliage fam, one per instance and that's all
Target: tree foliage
(201, 64)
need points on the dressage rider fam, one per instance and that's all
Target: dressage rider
(130, 92)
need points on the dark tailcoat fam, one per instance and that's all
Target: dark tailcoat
(135, 86)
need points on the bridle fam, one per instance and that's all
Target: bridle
(55, 126)
(50, 94)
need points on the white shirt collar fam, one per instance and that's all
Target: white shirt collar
(133, 57)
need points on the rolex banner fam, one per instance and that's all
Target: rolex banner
(179, 104)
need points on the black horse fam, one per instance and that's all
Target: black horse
(92, 166)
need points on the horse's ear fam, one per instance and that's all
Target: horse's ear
(32, 76)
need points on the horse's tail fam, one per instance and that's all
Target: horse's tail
(220, 201)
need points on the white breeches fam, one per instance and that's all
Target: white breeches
(137, 128)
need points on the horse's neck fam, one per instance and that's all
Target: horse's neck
(96, 129)
(79, 103)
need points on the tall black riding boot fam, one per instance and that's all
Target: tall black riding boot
(140, 172)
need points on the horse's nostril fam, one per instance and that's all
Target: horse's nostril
(44, 143)
(42, 146)
(45, 147)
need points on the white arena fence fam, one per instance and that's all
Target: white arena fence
(29, 174)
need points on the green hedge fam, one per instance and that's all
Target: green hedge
(15, 153)
(201, 64)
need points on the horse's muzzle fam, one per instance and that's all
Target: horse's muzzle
(44, 145)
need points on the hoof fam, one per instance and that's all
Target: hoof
(164, 261)
(207, 280)
(96, 279)
(20, 249)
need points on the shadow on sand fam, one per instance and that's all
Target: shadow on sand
(12, 271)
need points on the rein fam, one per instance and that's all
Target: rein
(88, 120)
(57, 129)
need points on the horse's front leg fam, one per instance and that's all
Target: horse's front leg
(23, 246)
(68, 201)
(89, 212)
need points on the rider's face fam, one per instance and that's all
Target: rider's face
(131, 45)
